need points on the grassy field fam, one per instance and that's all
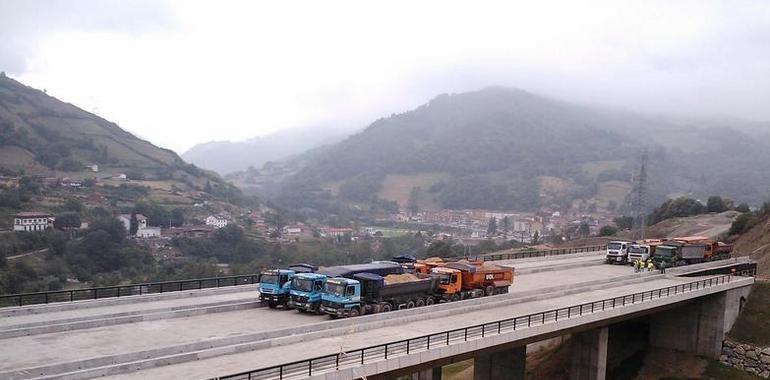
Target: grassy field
(594, 168)
(397, 187)
(717, 371)
(612, 191)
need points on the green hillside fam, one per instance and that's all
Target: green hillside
(495, 146)
(41, 135)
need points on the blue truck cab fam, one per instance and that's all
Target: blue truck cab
(341, 297)
(305, 291)
(274, 287)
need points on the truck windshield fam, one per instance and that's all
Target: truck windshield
(614, 245)
(638, 250)
(335, 289)
(302, 284)
(664, 251)
(444, 279)
(268, 279)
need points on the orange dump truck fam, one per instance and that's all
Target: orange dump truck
(714, 250)
(462, 279)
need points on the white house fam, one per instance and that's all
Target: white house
(148, 232)
(292, 230)
(32, 221)
(217, 221)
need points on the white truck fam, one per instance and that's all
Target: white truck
(642, 250)
(617, 251)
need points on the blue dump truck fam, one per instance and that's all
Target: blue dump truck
(274, 284)
(368, 293)
(305, 288)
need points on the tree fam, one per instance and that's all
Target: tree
(414, 196)
(536, 237)
(10, 198)
(113, 227)
(676, 208)
(492, 227)
(230, 234)
(439, 249)
(133, 224)
(177, 217)
(716, 204)
(624, 222)
(73, 205)
(742, 223)
(485, 246)
(743, 207)
(67, 220)
(608, 231)
(584, 230)
(506, 225)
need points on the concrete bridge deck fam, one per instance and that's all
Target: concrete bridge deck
(125, 335)
(351, 339)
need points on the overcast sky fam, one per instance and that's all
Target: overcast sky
(184, 72)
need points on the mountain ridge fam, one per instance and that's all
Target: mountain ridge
(42, 135)
(496, 140)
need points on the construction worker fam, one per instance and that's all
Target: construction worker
(650, 265)
(663, 267)
(636, 266)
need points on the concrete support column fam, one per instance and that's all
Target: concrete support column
(428, 374)
(698, 327)
(589, 355)
(509, 364)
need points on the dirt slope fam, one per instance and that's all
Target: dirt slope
(711, 225)
(756, 244)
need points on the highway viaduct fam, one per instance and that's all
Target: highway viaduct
(212, 333)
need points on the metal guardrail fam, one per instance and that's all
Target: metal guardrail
(539, 253)
(23, 299)
(328, 363)
(124, 290)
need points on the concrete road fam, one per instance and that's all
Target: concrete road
(112, 340)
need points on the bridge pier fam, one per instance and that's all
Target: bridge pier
(589, 355)
(510, 364)
(700, 326)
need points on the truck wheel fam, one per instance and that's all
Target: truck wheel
(420, 303)
(410, 304)
(490, 290)
(455, 297)
(354, 312)
(386, 308)
(272, 305)
(429, 301)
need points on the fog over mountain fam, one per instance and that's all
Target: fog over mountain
(511, 149)
(230, 156)
(234, 70)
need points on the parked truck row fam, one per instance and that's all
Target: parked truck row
(672, 251)
(380, 286)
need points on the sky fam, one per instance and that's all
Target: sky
(184, 72)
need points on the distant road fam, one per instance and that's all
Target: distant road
(26, 254)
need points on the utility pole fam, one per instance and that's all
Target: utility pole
(639, 199)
